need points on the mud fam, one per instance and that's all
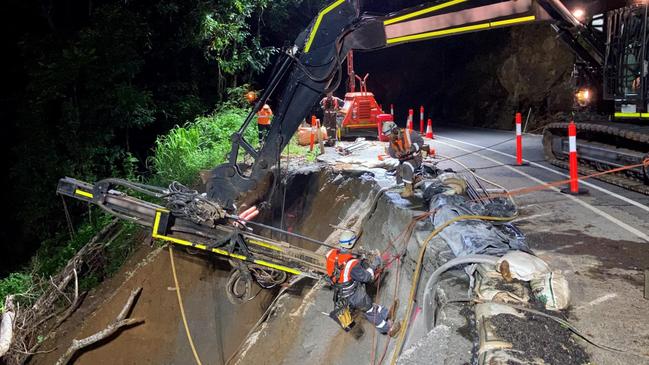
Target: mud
(540, 338)
(217, 325)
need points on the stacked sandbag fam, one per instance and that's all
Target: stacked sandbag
(548, 287)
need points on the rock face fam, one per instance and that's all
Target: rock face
(532, 69)
(477, 79)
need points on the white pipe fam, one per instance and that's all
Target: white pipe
(431, 285)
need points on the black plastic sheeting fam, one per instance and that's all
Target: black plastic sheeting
(470, 237)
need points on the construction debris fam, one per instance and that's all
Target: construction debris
(359, 144)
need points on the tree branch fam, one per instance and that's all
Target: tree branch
(118, 323)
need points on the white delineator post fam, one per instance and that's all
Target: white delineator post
(572, 160)
(572, 141)
(421, 119)
(519, 140)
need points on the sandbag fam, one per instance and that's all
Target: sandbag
(552, 290)
(522, 266)
(304, 135)
(454, 181)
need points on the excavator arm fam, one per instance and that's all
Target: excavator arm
(313, 66)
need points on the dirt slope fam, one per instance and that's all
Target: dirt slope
(217, 325)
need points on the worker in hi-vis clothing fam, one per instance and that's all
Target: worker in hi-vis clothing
(263, 122)
(349, 274)
(406, 146)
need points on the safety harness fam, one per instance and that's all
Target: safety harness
(402, 145)
(339, 272)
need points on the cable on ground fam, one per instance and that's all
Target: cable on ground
(182, 307)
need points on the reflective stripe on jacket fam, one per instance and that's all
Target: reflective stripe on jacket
(263, 116)
(345, 263)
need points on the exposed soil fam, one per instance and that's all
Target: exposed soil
(540, 337)
(469, 330)
(217, 325)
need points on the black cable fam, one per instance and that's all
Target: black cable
(68, 218)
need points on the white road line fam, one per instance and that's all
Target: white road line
(590, 185)
(595, 210)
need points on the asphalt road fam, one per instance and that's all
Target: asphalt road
(600, 240)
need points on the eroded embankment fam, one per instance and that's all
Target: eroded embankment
(299, 329)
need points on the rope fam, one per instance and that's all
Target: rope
(490, 146)
(531, 189)
(394, 298)
(182, 307)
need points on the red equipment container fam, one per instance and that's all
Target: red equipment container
(380, 119)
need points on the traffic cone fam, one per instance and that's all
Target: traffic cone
(574, 188)
(410, 117)
(429, 129)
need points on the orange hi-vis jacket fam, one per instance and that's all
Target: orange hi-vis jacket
(263, 116)
(341, 262)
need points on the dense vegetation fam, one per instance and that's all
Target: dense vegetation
(93, 84)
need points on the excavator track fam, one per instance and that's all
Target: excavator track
(602, 147)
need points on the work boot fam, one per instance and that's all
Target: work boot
(407, 191)
(394, 329)
(393, 309)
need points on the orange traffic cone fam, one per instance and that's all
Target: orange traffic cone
(429, 129)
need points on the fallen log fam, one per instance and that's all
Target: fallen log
(119, 322)
(7, 326)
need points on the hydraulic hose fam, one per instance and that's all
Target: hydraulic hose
(431, 285)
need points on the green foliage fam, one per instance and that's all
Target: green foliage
(293, 149)
(224, 30)
(55, 252)
(101, 83)
(201, 144)
(15, 283)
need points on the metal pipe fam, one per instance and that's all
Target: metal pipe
(312, 240)
(431, 285)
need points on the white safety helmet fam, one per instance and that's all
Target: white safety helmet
(387, 127)
(347, 239)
